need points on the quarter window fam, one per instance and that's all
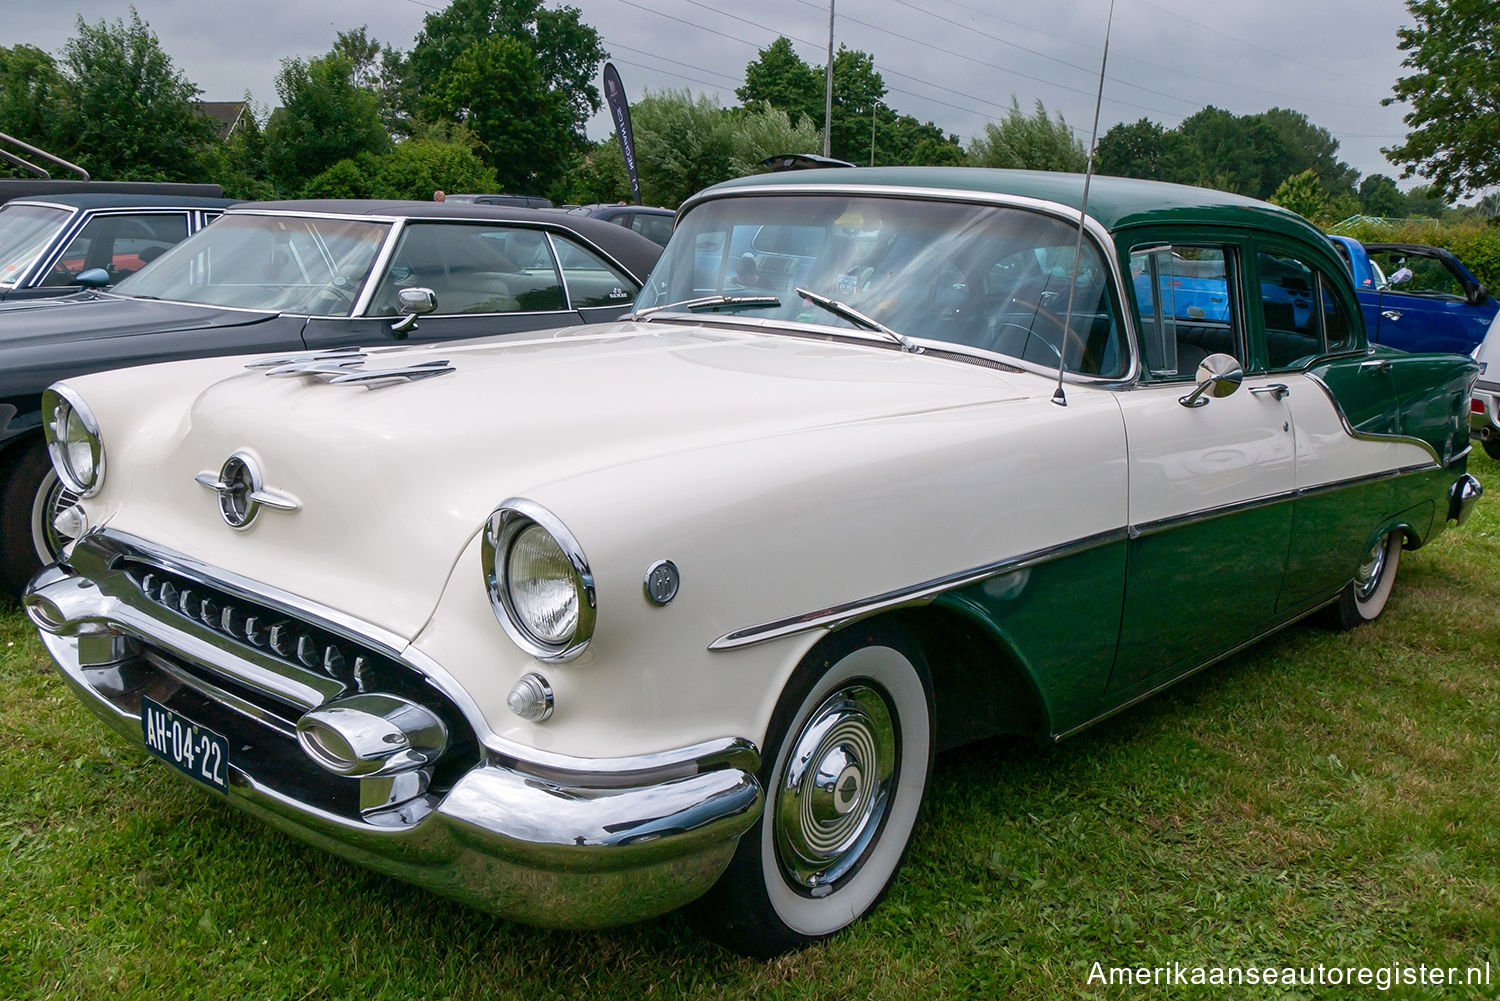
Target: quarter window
(590, 279)
(1185, 305)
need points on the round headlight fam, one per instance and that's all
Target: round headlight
(73, 441)
(539, 581)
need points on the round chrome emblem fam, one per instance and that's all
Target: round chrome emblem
(238, 479)
(662, 581)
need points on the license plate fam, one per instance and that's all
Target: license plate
(192, 748)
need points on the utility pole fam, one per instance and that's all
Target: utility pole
(828, 90)
(873, 107)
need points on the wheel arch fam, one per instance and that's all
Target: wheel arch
(980, 685)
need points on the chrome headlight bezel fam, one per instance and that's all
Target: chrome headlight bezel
(60, 405)
(504, 525)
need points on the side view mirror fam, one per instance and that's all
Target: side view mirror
(93, 278)
(1218, 376)
(1479, 296)
(412, 303)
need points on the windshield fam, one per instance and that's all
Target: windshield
(293, 264)
(25, 231)
(978, 276)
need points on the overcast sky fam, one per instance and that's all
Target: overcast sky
(952, 62)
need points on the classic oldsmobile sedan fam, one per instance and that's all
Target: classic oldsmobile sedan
(587, 625)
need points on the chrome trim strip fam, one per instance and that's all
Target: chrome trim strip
(916, 594)
(1096, 230)
(378, 268)
(1364, 436)
(718, 752)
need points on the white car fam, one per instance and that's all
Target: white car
(1484, 411)
(586, 625)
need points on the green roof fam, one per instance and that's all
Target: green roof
(1115, 202)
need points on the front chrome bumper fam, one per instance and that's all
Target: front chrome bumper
(570, 843)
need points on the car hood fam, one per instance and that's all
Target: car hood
(51, 321)
(393, 482)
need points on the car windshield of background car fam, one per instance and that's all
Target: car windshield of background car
(311, 265)
(974, 276)
(25, 230)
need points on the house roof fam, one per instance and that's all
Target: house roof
(228, 114)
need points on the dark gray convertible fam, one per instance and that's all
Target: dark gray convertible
(292, 276)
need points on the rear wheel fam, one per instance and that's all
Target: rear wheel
(847, 763)
(1364, 597)
(30, 499)
(1492, 446)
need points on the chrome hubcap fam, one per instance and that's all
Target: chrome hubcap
(839, 778)
(1367, 577)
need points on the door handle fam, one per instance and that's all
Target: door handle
(1377, 367)
(1391, 314)
(1276, 390)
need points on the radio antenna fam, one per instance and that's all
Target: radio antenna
(1058, 396)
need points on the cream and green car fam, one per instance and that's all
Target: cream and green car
(585, 625)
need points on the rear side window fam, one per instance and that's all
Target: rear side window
(1185, 307)
(1302, 313)
(472, 269)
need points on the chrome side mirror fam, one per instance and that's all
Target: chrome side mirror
(1218, 376)
(412, 303)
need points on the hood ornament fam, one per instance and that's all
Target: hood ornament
(344, 366)
(242, 491)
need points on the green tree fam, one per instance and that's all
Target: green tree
(598, 176)
(124, 112)
(552, 54)
(780, 78)
(1454, 93)
(1304, 194)
(1241, 153)
(1031, 142)
(1428, 201)
(239, 162)
(497, 89)
(1305, 146)
(1379, 196)
(413, 169)
(324, 118)
(1147, 150)
(380, 69)
(30, 84)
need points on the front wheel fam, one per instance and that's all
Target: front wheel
(847, 762)
(1364, 597)
(31, 497)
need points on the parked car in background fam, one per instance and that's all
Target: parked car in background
(515, 201)
(54, 246)
(1417, 298)
(582, 627)
(1484, 415)
(290, 276)
(653, 223)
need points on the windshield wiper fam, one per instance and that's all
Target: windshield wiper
(710, 302)
(855, 316)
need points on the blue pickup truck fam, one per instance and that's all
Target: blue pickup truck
(1417, 298)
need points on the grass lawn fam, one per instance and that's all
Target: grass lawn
(1322, 798)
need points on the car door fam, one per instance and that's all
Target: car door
(1429, 303)
(487, 278)
(119, 242)
(1211, 480)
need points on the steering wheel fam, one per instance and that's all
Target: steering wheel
(1069, 337)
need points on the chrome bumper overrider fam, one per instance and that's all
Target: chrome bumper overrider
(561, 842)
(1462, 497)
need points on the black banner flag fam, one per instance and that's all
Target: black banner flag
(619, 110)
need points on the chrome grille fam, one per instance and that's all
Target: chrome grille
(301, 644)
